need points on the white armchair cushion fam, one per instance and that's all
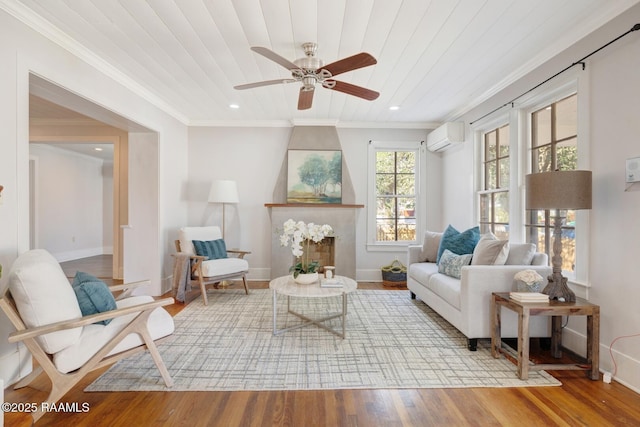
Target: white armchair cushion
(224, 266)
(35, 280)
(187, 235)
(95, 336)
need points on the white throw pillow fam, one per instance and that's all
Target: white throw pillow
(431, 245)
(187, 235)
(521, 254)
(44, 295)
(490, 251)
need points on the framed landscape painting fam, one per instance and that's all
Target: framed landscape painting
(314, 176)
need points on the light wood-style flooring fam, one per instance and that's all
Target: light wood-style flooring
(578, 402)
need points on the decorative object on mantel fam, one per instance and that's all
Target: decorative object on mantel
(314, 176)
(300, 235)
(559, 190)
(528, 281)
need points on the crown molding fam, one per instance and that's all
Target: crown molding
(312, 122)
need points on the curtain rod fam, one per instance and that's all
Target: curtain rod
(578, 62)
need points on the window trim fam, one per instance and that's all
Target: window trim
(519, 117)
(375, 146)
(577, 83)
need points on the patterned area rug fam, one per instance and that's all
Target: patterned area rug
(392, 342)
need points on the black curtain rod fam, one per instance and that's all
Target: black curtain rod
(578, 62)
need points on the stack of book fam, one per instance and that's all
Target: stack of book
(529, 297)
(331, 283)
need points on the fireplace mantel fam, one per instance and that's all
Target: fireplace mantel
(312, 205)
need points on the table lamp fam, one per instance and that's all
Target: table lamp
(559, 190)
(223, 191)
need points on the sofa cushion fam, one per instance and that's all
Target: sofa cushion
(490, 251)
(212, 249)
(447, 288)
(422, 271)
(521, 254)
(93, 295)
(94, 337)
(430, 246)
(43, 295)
(451, 264)
(457, 242)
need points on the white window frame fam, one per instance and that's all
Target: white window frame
(374, 147)
(576, 86)
(519, 120)
(479, 131)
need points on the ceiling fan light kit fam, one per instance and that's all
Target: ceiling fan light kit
(310, 70)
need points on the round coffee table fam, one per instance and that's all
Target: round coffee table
(340, 286)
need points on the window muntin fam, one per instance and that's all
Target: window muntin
(554, 138)
(494, 196)
(396, 196)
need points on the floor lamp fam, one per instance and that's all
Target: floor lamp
(223, 191)
(559, 190)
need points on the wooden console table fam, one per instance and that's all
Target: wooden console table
(556, 310)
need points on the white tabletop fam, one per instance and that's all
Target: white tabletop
(286, 286)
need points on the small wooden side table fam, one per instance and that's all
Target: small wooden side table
(556, 310)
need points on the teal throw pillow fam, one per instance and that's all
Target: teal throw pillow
(212, 249)
(93, 295)
(457, 242)
(451, 264)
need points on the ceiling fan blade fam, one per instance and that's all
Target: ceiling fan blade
(354, 62)
(305, 99)
(264, 83)
(269, 54)
(348, 88)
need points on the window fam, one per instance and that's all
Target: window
(394, 190)
(554, 136)
(494, 196)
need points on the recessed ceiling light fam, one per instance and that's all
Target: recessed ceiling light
(98, 149)
(234, 106)
(394, 107)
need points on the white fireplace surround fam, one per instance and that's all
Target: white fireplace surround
(341, 219)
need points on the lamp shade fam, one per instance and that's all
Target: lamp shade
(558, 190)
(223, 191)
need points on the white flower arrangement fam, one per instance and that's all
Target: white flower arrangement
(299, 234)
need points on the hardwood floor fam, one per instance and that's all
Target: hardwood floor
(578, 402)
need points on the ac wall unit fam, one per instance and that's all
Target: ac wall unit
(445, 136)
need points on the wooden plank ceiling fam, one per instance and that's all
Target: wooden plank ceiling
(436, 59)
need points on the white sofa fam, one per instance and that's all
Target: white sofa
(465, 302)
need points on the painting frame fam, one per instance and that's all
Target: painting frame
(314, 176)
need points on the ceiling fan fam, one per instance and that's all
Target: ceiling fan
(311, 70)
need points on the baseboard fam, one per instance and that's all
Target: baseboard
(78, 254)
(371, 275)
(627, 367)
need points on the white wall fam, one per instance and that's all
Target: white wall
(24, 51)
(612, 135)
(253, 157)
(70, 206)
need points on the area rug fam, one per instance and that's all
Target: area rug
(392, 342)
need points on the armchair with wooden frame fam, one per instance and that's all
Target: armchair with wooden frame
(42, 306)
(204, 270)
